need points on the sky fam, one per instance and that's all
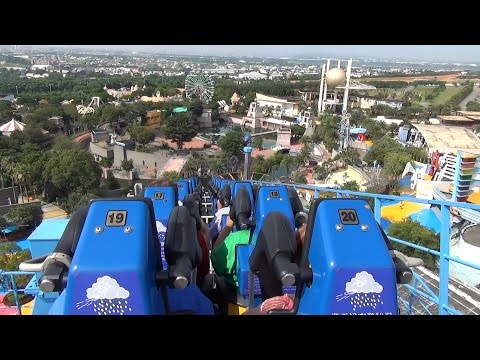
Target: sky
(433, 53)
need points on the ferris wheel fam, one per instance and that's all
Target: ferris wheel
(199, 85)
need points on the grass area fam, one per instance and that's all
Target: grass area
(446, 95)
(442, 98)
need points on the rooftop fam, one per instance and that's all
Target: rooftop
(449, 139)
(454, 118)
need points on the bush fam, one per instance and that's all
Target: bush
(9, 299)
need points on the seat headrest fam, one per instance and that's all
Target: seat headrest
(225, 195)
(193, 207)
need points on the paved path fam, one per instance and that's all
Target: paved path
(474, 95)
(51, 211)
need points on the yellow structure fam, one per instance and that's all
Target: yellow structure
(350, 174)
(28, 308)
(153, 119)
(401, 211)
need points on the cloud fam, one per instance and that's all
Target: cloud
(107, 288)
(363, 282)
(160, 227)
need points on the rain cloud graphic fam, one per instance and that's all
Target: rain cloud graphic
(162, 232)
(160, 227)
(107, 297)
(363, 291)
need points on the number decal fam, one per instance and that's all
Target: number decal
(348, 216)
(274, 194)
(159, 195)
(116, 218)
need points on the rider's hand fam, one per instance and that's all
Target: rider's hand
(230, 222)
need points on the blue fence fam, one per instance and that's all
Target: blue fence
(9, 285)
(419, 291)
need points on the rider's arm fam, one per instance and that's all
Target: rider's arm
(224, 233)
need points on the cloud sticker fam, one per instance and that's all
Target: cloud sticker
(160, 227)
(107, 288)
(363, 282)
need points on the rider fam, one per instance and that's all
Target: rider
(223, 206)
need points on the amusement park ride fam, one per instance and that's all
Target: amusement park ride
(141, 255)
(111, 260)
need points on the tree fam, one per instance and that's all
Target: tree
(180, 128)
(297, 131)
(299, 178)
(394, 163)
(9, 247)
(9, 261)
(111, 182)
(106, 162)
(141, 134)
(414, 232)
(172, 175)
(349, 156)
(127, 165)
(258, 143)
(29, 215)
(232, 143)
(328, 131)
(196, 107)
(351, 185)
(70, 168)
(78, 199)
(473, 106)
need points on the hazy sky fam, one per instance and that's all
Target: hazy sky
(460, 53)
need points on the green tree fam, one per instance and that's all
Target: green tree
(232, 143)
(473, 106)
(394, 163)
(9, 247)
(328, 131)
(29, 215)
(127, 165)
(196, 107)
(9, 261)
(349, 156)
(78, 199)
(297, 131)
(351, 185)
(258, 143)
(106, 162)
(414, 232)
(299, 178)
(180, 128)
(172, 175)
(70, 168)
(111, 182)
(380, 149)
(141, 134)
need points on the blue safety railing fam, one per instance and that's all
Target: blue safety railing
(442, 298)
(419, 291)
(9, 284)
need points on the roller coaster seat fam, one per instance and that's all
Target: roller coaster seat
(116, 261)
(248, 186)
(164, 199)
(274, 258)
(269, 199)
(183, 189)
(351, 269)
(184, 254)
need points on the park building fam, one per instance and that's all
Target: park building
(153, 119)
(441, 138)
(279, 106)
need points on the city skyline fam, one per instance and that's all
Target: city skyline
(432, 53)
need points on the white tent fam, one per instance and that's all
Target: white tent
(11, 126)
